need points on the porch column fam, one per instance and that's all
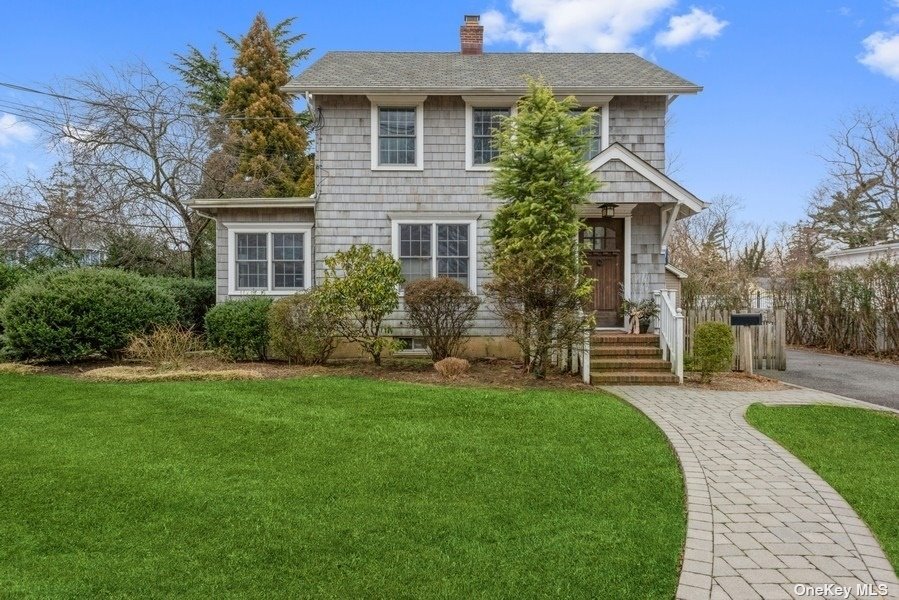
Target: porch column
(628, 292)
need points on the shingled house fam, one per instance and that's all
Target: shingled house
(403, 156)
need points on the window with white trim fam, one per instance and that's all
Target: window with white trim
(427, 250)
(396, 136)
(484, 123)
(594, 132)
(413, 345)
(268, 260)
(397, 132)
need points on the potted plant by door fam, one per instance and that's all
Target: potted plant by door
(638, 315)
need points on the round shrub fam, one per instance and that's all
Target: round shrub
(302, 329)
(442, 310)
(71, 315)
(194, 298)
(239, 328)
(713, 348)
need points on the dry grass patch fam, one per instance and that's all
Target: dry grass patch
(18, 369)
(127, 374)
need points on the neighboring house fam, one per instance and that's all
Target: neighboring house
(403, 159)
(673, 279)
(859, 257)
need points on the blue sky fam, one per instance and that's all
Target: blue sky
(778, 76)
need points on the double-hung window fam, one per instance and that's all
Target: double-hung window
(396, 133)
(269, 259)
(396, 136)
(593, 132)
(484, 123)
(436, 249)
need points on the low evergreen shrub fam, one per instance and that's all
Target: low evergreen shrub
(238, 329)
(75, 314)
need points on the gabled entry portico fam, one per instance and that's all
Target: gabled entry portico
(627, 225)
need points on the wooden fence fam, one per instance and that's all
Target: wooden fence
(768, 340)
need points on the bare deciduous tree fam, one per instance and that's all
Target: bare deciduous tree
(858, 204)
(65, 215)
(140, 139)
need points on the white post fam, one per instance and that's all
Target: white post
(657, 298)
(585, 358)
(679, 345)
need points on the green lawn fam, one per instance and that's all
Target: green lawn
(855, 450)
(331, 487)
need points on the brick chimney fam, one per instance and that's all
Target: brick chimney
(472, 35)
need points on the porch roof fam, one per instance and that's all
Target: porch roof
(688, 203)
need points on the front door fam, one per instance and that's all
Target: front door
(603, 243)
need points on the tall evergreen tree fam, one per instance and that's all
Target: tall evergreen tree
(260, 143)
(207, 80)
(538, 286)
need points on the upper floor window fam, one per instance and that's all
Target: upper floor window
(396, 132)
(484, 122)
(268, 259)
(594, 133)
(396, 136)
(430, 249)
(483, 116)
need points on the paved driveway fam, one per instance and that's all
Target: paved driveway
(857, 378)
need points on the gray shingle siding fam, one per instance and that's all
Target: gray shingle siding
(248, 215)
(353, 201)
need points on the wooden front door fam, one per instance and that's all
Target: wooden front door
(603, 243)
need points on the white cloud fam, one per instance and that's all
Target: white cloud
(574, 25)
(882, 54)
(498, 29)
(690, 27)
(13, 130)
(592, 25)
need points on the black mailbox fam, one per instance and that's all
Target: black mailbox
(745, 319)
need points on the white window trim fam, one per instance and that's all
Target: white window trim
(433, 221)
(601, 103)
(268, 229)
(602, 110)
(410, 352)
(472, 102)
(416, 102)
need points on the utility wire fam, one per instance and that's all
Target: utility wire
(93, 220)
(30, 90)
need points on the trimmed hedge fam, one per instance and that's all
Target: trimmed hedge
(71, 315)
(239, 328)
(194, 298)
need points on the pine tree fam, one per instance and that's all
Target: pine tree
(268, 139)
(207, 80)
(538, 285)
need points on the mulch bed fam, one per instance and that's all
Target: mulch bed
(735, 382)
(483, 373)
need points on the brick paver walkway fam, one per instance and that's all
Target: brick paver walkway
(759, 523)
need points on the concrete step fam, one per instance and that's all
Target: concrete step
(623, 339)
(603, 350)
(630, 364)
(632, 378)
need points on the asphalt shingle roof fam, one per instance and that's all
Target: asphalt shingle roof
(373, 71)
